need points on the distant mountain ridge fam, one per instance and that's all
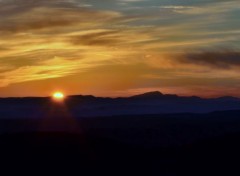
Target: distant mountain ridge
(158, 94)
(151, 94)
(91, 106)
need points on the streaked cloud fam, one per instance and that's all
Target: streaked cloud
(163, 44)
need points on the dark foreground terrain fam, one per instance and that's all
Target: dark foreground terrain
(175, 144)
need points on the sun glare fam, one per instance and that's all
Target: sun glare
(58, 96)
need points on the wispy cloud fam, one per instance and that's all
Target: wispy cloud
(41, 40)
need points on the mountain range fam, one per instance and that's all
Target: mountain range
(148, 133)
(90, 106)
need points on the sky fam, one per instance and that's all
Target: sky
(119, 47)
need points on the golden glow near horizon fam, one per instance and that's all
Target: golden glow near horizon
(119, 47)
(58, 96)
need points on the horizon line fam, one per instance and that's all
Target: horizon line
(115, 97)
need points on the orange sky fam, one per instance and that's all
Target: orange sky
(119, 48)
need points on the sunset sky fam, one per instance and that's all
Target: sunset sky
(119, 47)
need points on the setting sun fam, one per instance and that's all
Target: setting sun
(59, 96)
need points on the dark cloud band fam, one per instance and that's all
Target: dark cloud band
(220, 59)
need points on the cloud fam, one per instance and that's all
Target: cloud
(103, 38)
(47, 18)
(210, 7)
(219, 59)
(156, 41)
(53, 68)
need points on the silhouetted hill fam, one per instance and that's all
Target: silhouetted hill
(227, 98)
(155, 94)
(90, 106)
(150, 134)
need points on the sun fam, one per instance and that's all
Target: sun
(58, 96)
